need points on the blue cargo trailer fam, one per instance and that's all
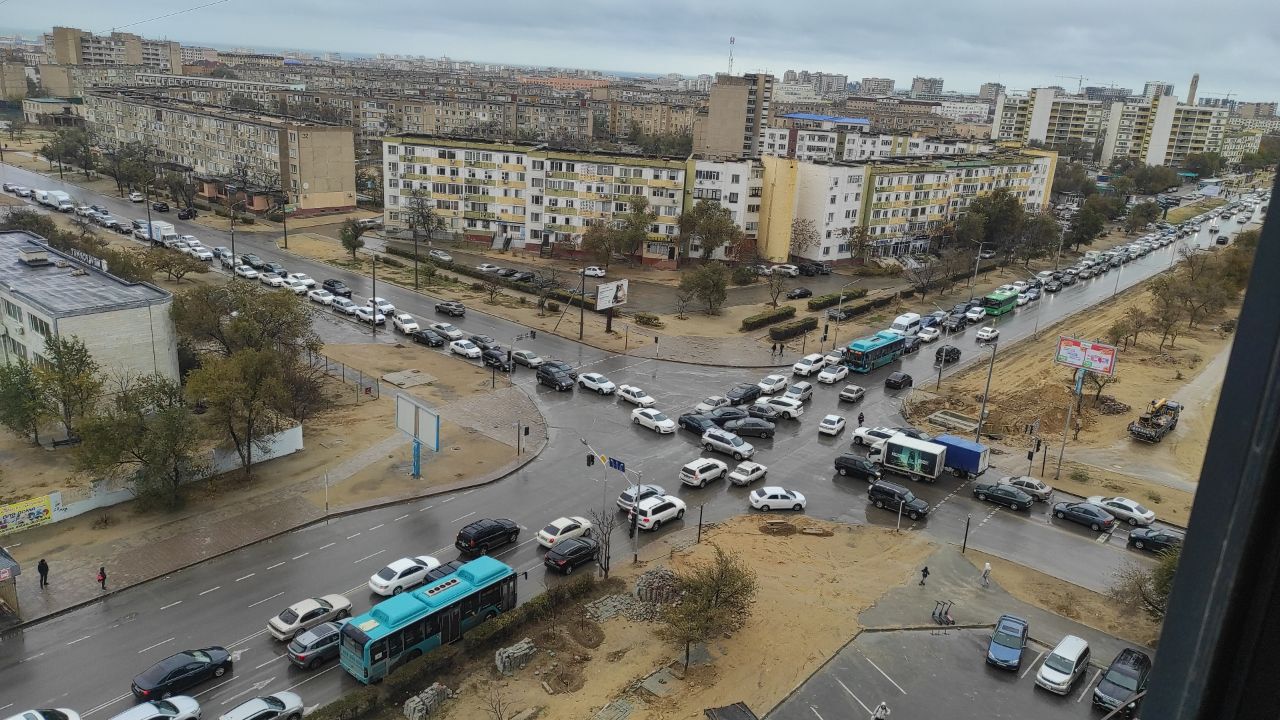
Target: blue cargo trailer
(965, 458)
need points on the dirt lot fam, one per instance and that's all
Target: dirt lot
(838, 576)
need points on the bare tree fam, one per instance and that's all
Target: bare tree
(602, 526)
(776, 284)
(804, 236)
(923, 273)
(493, 287)
(683, 298)
(496, 704)
(856, 241)
(1099, 381)
(1147, 590)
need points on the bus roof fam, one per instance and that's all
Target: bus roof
(1002, 294)
(871, 342)
(397, 611)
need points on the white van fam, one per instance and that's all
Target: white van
(906, 324)
(1064, 666)
(1092, 254)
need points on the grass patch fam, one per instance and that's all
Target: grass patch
(1186, 212)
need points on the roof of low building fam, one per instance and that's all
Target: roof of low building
(67, 285)
(828, 118)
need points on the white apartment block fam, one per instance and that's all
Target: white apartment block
(1235, 145)
(858, 146)
(1163, 131)
(260, 91)
(964, 111)
(733, 185)
(850, 140)
(1268, 125)
(1045, 115)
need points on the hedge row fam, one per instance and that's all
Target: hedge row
(788, 330)
(525, 287)
(822, 302)
(872, 304)
(769, 317)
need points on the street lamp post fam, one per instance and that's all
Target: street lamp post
(374, 317)
(982, 414)
(835, 339)
(946, 335)
(976, 260)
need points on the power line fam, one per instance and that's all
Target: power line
(161, 17)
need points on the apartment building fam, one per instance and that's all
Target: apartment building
(72, 46)
(53, 112)
(192, 54)
(1162, 131)
(867, 146)
(1235, 145)
(1269, 125)
(46, 293)
(261, 91)
(311, 161)
(736, 117)
(735, 185)
(1157, 88)
(926, 86)
(964, 110)
(1253, 110)
(990, 91)
(877, 86)
(1046, 115)
(651, 118)
(13, 81)
(564, 83)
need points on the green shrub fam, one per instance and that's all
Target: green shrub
(648, 319)
(355, 705)
(478, 287)
(391, 262)
(788, 330)
(742, 275)
(822, 302)
(553, 306)
(414, 676)
(768, 317)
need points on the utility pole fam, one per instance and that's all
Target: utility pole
(374, 316)
(982, 414)
(582, 304)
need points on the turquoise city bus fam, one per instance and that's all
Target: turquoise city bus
(868, 353)
(404, 627)
(1000, 302)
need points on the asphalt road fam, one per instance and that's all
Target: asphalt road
(71, 661)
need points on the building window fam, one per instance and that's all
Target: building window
(39, 325)
(13, 311)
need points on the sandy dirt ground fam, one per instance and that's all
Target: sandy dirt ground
(839, 575)
(1070, 601)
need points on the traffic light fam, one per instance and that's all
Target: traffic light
(591, 459)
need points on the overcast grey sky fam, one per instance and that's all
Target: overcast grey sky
(1234, 45)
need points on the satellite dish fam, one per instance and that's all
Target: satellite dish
(306, 186)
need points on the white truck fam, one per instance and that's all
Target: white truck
(60, 201)
(158, 232)
(917, 459)
(42, 197)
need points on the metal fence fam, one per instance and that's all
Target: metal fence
(366, 386)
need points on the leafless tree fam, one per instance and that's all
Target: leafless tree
(804, 236)
(922, 274)
(603, 524)
(776, 284)
(683, 298)
(497, 705)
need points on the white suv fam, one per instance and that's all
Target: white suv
(728, 443)
(702, 471)
(652, 512)
(809, 364)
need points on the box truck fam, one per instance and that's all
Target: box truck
(917, 459)
(965, 458)
(60, 201)
(156, 231)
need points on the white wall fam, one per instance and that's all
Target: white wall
(140, 340)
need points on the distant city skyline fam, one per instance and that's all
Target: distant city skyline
(1122, 44)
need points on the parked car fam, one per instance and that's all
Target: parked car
(137, 197)
(344, 306)
(465, 348)
(1084, 513)
(1066, 664)
(484, 342)
(1124, 509)
(974, 314)
(367, 314)
(898, 380)
(187, 213)
(763, 412)
(453, 308)
(695, 423)
(723, 441)
(160, 206)
(850, 464)
(841, 313)
(440, 256)
(593, 271)
(831, 425)
(743, 393)
(654, 420)
(799, 293)
(799, 392)
(1029, 485)
(777, 498)
(954, 324)
(654, 511)
(568, 555)
(426, 336)
(448, 331)
(637, 493)
(404, 322)
(337, 287)
(751, 427)
(771, 384)
(808, 365)
(562, 366)
(726, 413)
(869, 436)
(1052, 286)
(852, 393)
(1008, 641)
(747, 472)
(180, 672)
(483, 536)
(554, 378)
(1155, 539)
(947, 354)
(1007, 495)
(495, 357)
(1125, 677)
(278, 706)
(307, 613)
(527, 358)
(246, 272)
(488, 268)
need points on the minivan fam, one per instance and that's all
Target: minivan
(892, 496)
(1064, 666)
(906, 324)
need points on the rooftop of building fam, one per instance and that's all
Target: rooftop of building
(999, 155)
(66, 285)
(55, 100)
(466, 141)
(152, 97)
(828, 118)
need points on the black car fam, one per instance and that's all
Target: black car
(187, 213)
(452, 308)
(724, 414)
(569, 554)
(849, 464)
(840, 314)
(1068, 279)
(1154, 540)
(179, 672)
(798, 293)
(562, 366)
(954, 323)
(934, 318)
(482, 536)
(497, 358)
(821, 268)
(311, 648)
(271, 268)
(750, 427)
(484, 342)
(946, 354)
(554, 377)
(337, 287)
(911, 344)
(763, 412)
(1052, 286)
(897, 380)
(1125, 677)
(695, 423)
(160, 206)
(507, 273)
(428, 337)
(443, 571)
(1006, 495)
(743, 393)
(1085, 513)
(807, 269)
(959, 308)
(891, 496)
(523, 276)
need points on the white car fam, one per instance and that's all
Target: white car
(402, 574)
(593, 271)
(831, 425)
(465, 348)
(200, 252)
(929, 334)
(1019, 285)
(636, 396)
(382, 305)
(786, 407)
(596, 382)
(324, 297)
(771, 384)
(808, 365)
(404, 322)
(487, 268)
(303, 278)
(84, 210)
(711, 403)
(1023, 299)
(136, 196)
(987, 334)
(69, 714)
(440, 255)
(246, 272)
(297, 287)
(776, 498)
(833, 373)
(788, 270)
(835, 357)
(527, 358)
(975, 314)
(307, 614)
(747, 472)
(1124, 509)
(344, 305)
(871, 435)
(369, 315)
(175, 707)
(654, 420)
(448, 331)
(563, 529)
(271, 280)
(799, 392)
(653, 511)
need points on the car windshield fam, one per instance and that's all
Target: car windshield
(1059, 663)
(551, 530)
(908, 497)
(659, 417)
(200, 655)
(1122, 679)
(289, 617)
(736, 441)
(163, 706)
(386, 573)
(1139, 509)
(1006, 639)
(273, 702)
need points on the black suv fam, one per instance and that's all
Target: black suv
(428, 337)
(251, 260)
(496, 357)
(947, 354)
(160, 206)
(311, 648)
(954, 323)
(891, 496)
(452, 308)
(562, 366)
(186, 213)
(554, 377)
(743, 394)
(482, 536)
(337, 287)
(857, 466)
(1125, 677)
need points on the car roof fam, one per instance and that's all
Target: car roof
(650, 502)
(402, 564)
(1012, 622)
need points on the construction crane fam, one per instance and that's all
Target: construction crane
(1079, 81)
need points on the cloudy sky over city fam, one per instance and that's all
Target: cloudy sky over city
(1234, 46)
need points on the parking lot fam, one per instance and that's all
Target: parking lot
(932, 674)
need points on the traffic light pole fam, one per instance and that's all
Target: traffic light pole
(633, 519)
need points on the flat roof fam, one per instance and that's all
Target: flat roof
(828, 118)
(67, 286)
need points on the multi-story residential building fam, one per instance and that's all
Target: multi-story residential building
(867, 146)
(925, 86)
(72, 46)
(735, 185)
(1235, 145)
(876, 86)
(1157, 88)
(990, 91)
(262, 91)
(1046, 116)
(1107, 94)
(192, 54)
(54, 112)
(564, 83)
(13, 81)
(809, 136)
(651, 118)
(310, 162)
(964, 110)
(1268, 125)
(46, 293)
(737, 114)
(1161, 132)
(796, 93)
(1253, 110)
(236, 58)
(1218, 102)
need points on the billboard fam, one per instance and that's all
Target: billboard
(1086, 355)
(611, 294)
(25, 514)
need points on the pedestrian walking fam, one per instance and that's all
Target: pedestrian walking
(986, 575)
(924, 574)
(43, 569)
(774, 350)
(861, 419)
(881, 712)
(102, 577)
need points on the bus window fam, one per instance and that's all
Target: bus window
(469, 605)
(413, 633)
(395, 644)
(378, 651)
(491, 596)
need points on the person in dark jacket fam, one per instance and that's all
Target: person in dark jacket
(43, 569)
(924, 574)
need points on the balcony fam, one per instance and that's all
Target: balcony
(561, 193)
(561, 175)
(479, 215)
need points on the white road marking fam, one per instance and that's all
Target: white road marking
(1033, 664)
(855, 697)
(516, 547)
(885, 674)
(206, 592)
(468, 492)
(375, 527)
(401, 517)
(814, 710)
(153, 647)
(28, 659)
(1089, 685)
(259, 667)
(425, 508)
(248, 638)
(6, 707)
(246, 577)
(366, 557)
(273, 597)
(464, 517)
(437, 552)
(299, 557)
(105, 705)
(313, 677)
(273, 567)
(353, 536)
(73, 642)
(451, 498)
(351, 590)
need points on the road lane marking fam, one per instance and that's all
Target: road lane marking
(273, 597)
(1104, 537)
(401, 517)
(440, 550)
(246, 577)
(375, 527)
(468, 492)
(105, 705)
(299, 557)
(366, 557)
(464, 517)
(248, 638)
(153, 647)
(325, 547)
(259, 667)
(6, 707)
(855, 697)
(73, 642)
(28, 659)
(313, 677)
(351, 590)
(1033, 664)
(1088, 685)
(814, 710)
(206, 592)
(885, 674)
(425, 508)
(517, 547)
(451, 498)
(353, 536)
(273, 567)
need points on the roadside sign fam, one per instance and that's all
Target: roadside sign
(1086, 355)
(616, 464)
(611, 294)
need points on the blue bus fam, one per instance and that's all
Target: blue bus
(868, 353)
(404, 627)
